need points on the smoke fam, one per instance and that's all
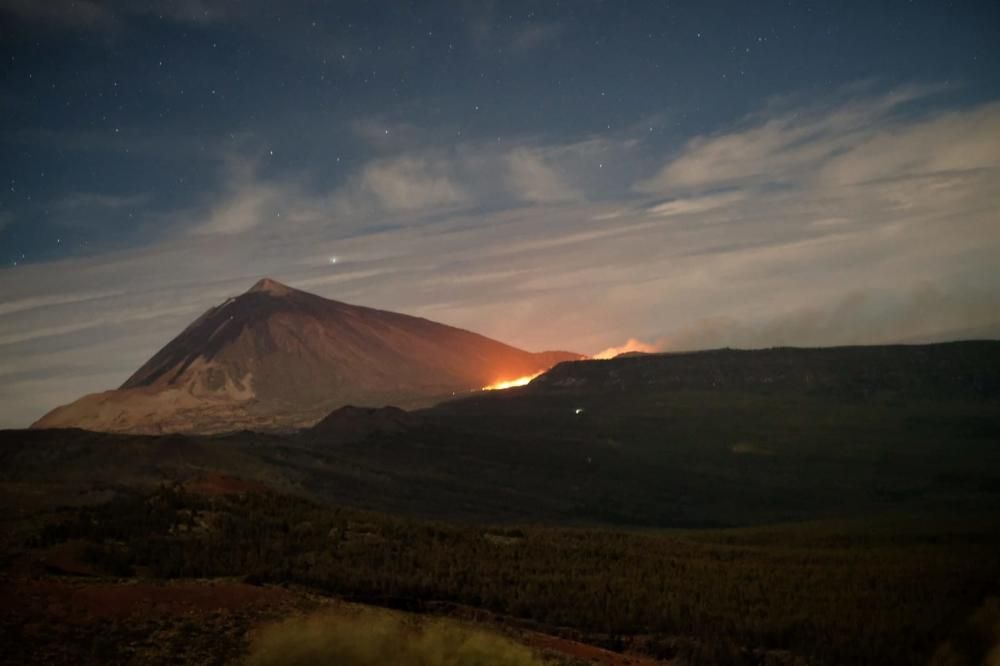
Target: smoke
(922, 315)
(631, 345)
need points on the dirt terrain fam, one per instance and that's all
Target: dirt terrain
(90, 620)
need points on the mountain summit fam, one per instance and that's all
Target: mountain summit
(269, 286)
(275, 357)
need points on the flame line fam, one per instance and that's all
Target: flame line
(511, 383)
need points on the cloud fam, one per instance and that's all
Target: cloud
(10, 307)
(791, 146)
(691, 205)
(244, 200)
(238, 213)
(401, 184)
(530, 179)
(410, 183)
(421, 177)
(244, 208)
(412, 180)
(949, 143)
(41, 332)
(926, 313)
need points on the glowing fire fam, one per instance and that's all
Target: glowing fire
(510, 383)
(631, 345)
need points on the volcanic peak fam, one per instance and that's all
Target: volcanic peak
(270, 286)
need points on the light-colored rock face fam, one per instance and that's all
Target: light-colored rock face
(145, 411)
(278, 358)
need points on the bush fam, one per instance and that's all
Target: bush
(373, 638)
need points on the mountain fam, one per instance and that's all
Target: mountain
(278, 358)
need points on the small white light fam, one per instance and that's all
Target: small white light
(333, 260)
(578, 410)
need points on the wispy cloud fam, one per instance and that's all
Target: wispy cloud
(402, 184)
(535, 35)
(491, 31)
(695, 204)
(40, 332)
(787, 145)
(415, 178)
(531, 179)
(10, 307)
(925, 313)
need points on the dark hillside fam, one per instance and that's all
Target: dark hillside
(958, 369)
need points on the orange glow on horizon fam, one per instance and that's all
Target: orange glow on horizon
(631, 345)
(511, 383)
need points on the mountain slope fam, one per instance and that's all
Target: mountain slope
(276, 357)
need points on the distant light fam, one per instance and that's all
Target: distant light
(333, 260)
(578, 410)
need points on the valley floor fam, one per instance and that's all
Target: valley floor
(60, 619)
(176, 577)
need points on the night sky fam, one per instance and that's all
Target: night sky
(564, 175)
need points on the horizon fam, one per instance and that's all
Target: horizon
(583, 178)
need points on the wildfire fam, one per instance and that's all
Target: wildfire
(510, 383)
(631, 345)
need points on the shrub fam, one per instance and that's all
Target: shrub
(374, 638)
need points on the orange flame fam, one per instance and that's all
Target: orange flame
(511, 383)
(631, 345)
